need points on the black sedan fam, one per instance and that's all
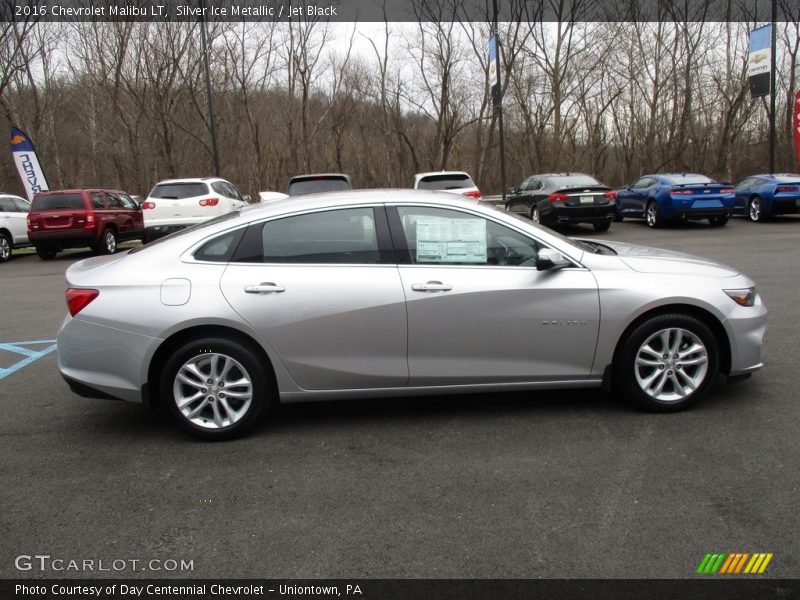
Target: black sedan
(561, 198)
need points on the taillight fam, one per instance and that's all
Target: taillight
(89, 221)
(146, 205)
(78, 299)
(680, 192)
(611, 195)
(209, 201)
(473, 194)
(28, 220)
(557, 198)
(727, 191)
(786, 188)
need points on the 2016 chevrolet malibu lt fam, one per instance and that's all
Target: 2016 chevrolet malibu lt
(381, 293)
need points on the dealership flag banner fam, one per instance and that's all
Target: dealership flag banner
(494, 80)
(797, 125)
(759, 60)
(27, 164)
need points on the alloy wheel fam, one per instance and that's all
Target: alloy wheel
(213, 391)
(671, 364)
(110, 241)
(755, 209)
(5, 248)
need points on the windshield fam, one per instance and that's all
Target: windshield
(572, 181)
(317, 184)
(58, 202)
(179, 191)
(445, 182)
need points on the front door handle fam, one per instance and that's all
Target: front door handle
(265, 287)
(431, 286)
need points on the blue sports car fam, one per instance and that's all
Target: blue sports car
(675, 197)
(762, 196)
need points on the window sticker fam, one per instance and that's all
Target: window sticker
(451, 240)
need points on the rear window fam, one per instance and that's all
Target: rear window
(688, 179)
(787, 177)
(179, 191)
(445, 182)
(313, 185)
(572, 181)
(58, 202)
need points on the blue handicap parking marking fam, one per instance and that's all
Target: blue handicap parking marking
(29, 354)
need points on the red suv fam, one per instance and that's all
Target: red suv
(75, 218)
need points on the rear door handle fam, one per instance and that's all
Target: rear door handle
(265, 287)
(431, 286)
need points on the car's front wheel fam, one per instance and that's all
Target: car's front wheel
(755, 210)
(667, 363)
(215, 388)
(5, 247)
(46, 253)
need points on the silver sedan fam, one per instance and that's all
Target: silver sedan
(389, 293)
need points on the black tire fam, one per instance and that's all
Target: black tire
(5, 247)
(536, 215)
(46, 253)
(602, 225)
(618, 218)
(718, 221)
(755, 210)
(245, 365)
(628, 373)
(107, 244)
(652, 215)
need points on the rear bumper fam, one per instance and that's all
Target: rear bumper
(701, 213)
(785, 206)
(63, 239)
(579, 214)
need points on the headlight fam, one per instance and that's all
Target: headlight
(745, 297)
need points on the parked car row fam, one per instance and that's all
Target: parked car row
(571, 198)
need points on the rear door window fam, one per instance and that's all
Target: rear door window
(21, 205)
(97, 200)
(7, 205)
(113, 200)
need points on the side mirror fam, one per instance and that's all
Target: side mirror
(549, 259)
(247, 198)
(511, 191)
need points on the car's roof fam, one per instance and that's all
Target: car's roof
(568, 174)
(677, 175)
(191, 180)
(434, 173)
(319, 175)
(776, 175)
(81, 190)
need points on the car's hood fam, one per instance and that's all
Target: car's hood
(657, 260)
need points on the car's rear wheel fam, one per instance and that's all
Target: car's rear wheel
(718, 221)
(618, 217)
(536, 216)
(602, 225)
(46, 253)
(107, 243)
(215, 388)
(652, 215)
(755, 210)
(5, 247)
(667, 363)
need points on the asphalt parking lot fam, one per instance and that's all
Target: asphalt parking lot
(566, 484)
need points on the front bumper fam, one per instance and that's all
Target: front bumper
(746, 327)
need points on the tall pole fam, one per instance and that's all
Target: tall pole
(772, 91)
(498, 104)
(212, 120)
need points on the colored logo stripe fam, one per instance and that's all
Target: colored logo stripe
(734, 563)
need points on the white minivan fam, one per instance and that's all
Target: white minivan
(178, 203)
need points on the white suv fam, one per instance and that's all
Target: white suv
(177, 203)
(457, 182)
(13, 224)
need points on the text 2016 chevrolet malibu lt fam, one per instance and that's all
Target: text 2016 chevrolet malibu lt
(389, 292)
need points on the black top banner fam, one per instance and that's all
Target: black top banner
(389, 10)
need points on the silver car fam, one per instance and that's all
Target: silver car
(387, 293)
